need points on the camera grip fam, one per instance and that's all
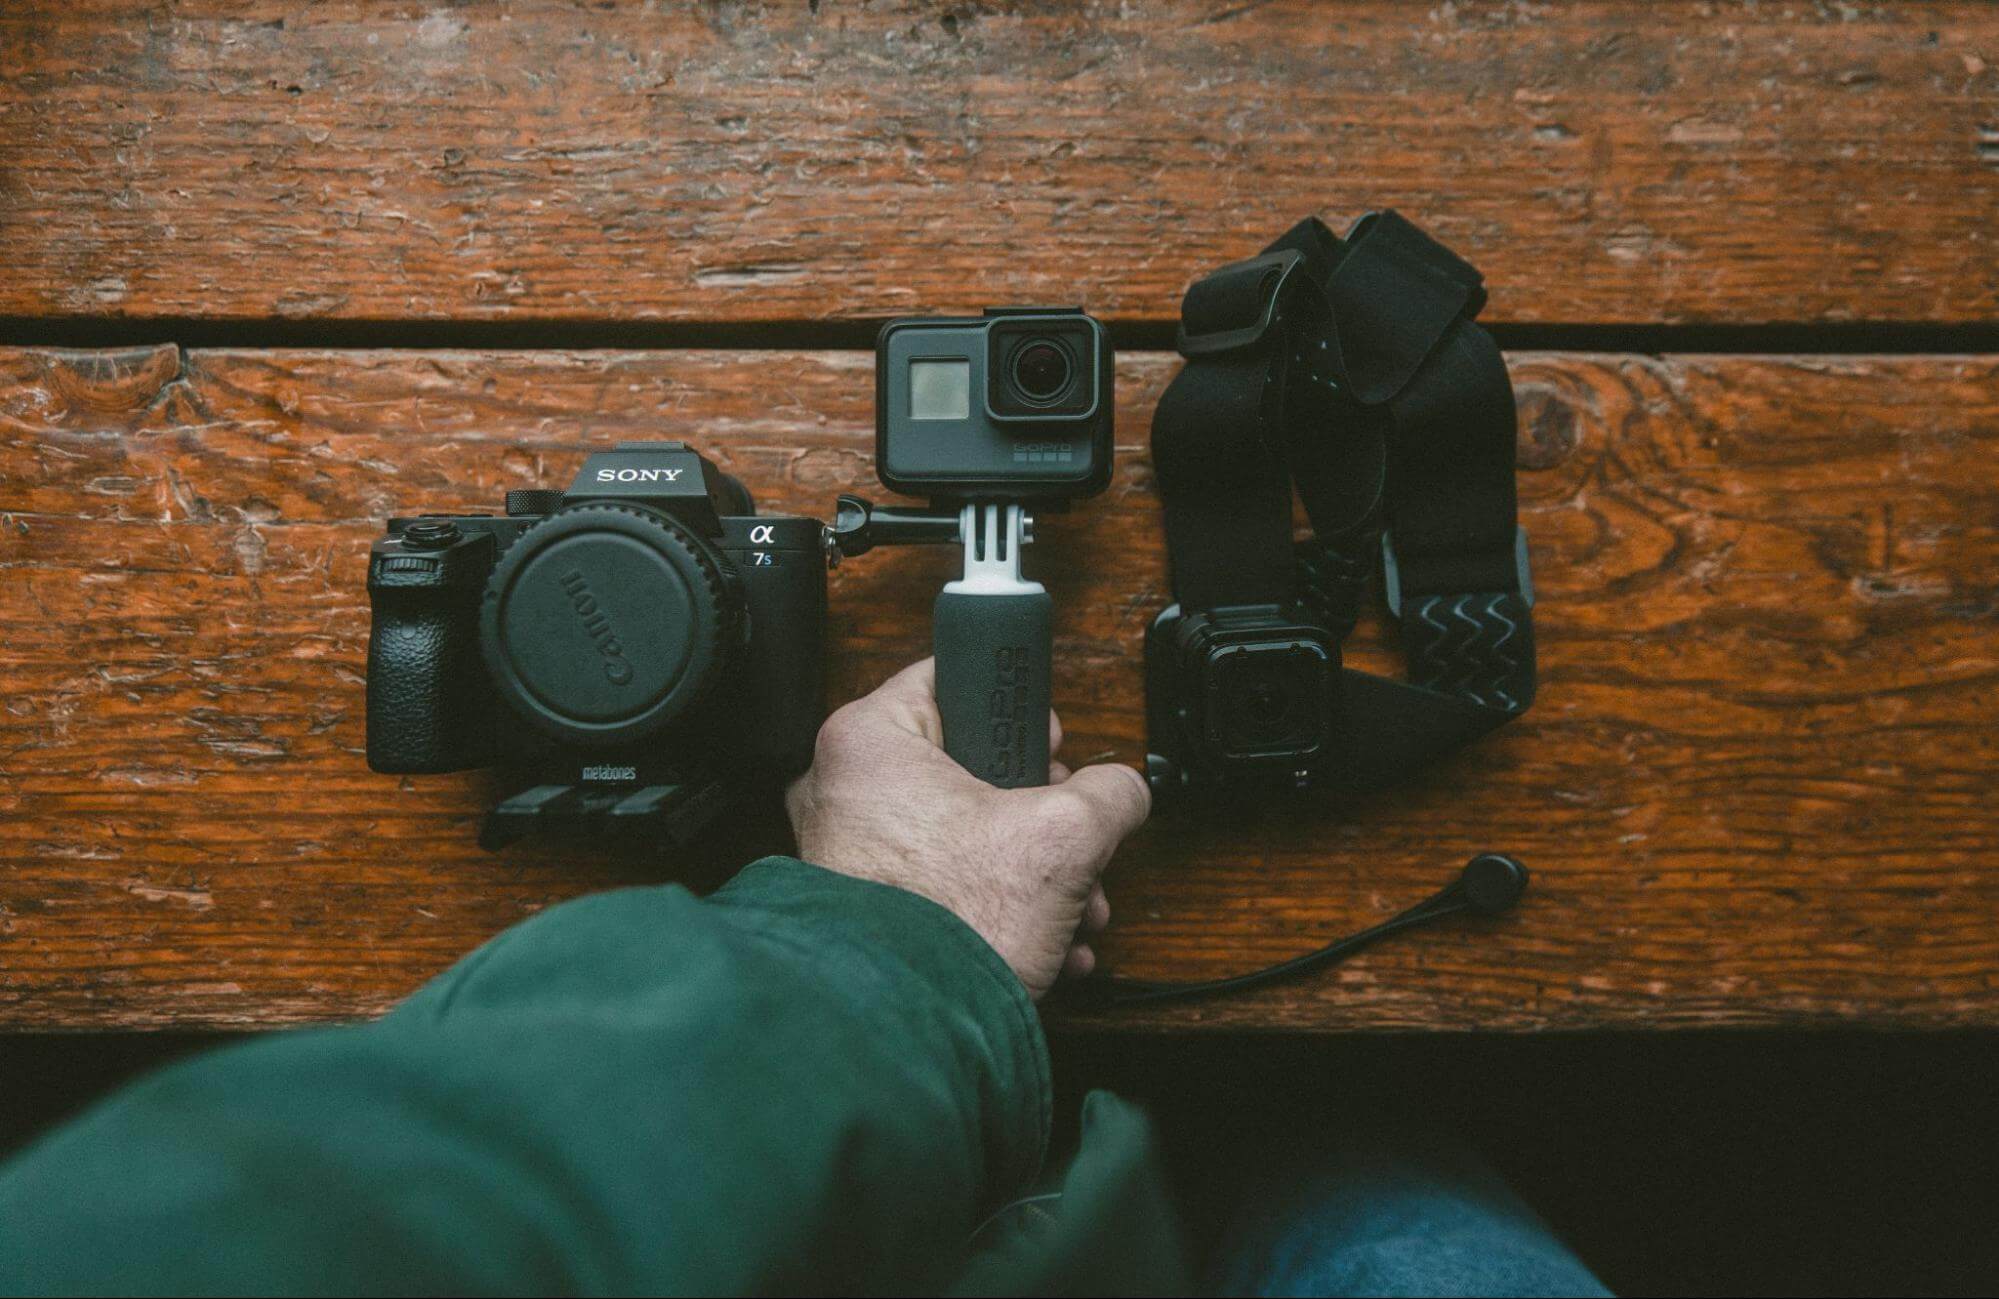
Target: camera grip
(428, 701)
(994, 652)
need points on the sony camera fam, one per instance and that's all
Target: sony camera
(628, 653)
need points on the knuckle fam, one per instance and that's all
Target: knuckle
(1069, 815)
(840, 732)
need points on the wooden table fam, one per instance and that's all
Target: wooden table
(269, 273)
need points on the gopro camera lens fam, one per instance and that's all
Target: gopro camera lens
(1041, 369)
(1266, 702)
(1265, 708)
(1264, 705)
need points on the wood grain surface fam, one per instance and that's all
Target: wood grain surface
(1757, 788)
(1604, 163)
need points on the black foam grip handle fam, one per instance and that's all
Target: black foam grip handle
(993, 659)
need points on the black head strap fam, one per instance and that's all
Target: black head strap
(1352, 370)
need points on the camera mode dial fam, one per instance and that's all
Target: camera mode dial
(604, 623)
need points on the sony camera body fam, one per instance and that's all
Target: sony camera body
(627, 651)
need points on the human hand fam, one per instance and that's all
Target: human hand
(884, 802)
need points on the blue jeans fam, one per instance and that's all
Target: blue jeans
(1392, 1214)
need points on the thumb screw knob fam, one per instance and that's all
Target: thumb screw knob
(431, 534)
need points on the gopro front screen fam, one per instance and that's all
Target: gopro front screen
(940, 389)
(1011, 405)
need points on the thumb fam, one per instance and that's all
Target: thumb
(1117, 796)
(909, 699)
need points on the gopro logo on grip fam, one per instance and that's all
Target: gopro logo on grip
(1007, 712)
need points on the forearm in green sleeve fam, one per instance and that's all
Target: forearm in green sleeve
(803, 1082)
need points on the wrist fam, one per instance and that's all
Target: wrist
(905, 953)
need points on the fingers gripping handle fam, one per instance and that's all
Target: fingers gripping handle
(992, 683)
(994, 644)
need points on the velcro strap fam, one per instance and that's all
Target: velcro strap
(1395, 294)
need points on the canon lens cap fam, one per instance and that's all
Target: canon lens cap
(604, 623)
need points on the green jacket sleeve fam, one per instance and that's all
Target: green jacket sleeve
(805, 1082)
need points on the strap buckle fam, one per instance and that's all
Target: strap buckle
(1391, 572)
(1271, 274)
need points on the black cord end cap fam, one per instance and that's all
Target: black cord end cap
(1492, 883)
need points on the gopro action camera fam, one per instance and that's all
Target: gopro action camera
(1014, 405)
(628, 652)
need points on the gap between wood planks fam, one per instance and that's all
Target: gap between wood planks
(1840, 339)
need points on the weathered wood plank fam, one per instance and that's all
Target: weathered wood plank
(1757, 788)
(1613, 161)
